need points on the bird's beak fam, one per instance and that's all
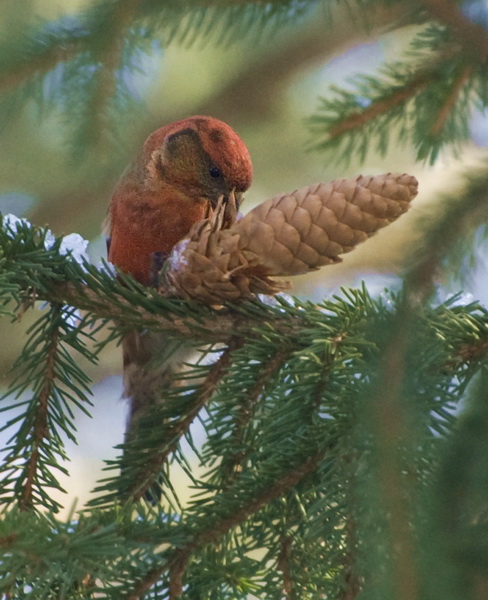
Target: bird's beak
(227, 207)
(237, 198)
(231, 207)
(233, 197)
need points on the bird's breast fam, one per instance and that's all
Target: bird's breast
(143, 226)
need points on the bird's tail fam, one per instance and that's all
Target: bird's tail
(151, 362)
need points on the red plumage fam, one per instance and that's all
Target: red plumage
(175, 181)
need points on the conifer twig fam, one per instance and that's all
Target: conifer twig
(352, 585)
(40, 425)
(67, 48)
(391, 421)
(221, 325)
(176, 432)
(450, 100)
(177, 564)
(382, 106)
(262, 81)
(440, 237)
(389, 427)
(42, 63)
(247, 409)
(109, 59)
(284, 565)
(471, 35)
(470, 352)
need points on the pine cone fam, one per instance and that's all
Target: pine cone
(286, 235)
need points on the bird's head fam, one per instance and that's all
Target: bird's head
(201, 157)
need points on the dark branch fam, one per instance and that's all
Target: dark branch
(284, 566)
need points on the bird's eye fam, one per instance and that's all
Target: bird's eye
(215, 172)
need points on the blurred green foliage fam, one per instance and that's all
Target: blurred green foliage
(334, 464)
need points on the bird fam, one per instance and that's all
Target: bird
(176, 180)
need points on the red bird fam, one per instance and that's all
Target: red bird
(176, 180)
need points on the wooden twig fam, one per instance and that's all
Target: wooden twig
(284, 566)
(352, 585)
(451, 100)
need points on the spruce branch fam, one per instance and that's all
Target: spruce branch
(29, 270)
(352, 583)
(178, 562)
(40, 425)
(92, 54)
(177, 429)
(391, 416)
(41, 58)
(284, 566)
(433, 89)
(450, 101)
(450, 234)
(390, 426)
(108, 51)
(56, 384)
(460, 492)
(406, 94)
(101, 30)
(130, 308)
(232, 463)
(383, 105)
(287, 433)
(262, 82)
(472, 36)
(58, 558)
(209, 326)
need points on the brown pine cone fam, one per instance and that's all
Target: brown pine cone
(286, 235)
